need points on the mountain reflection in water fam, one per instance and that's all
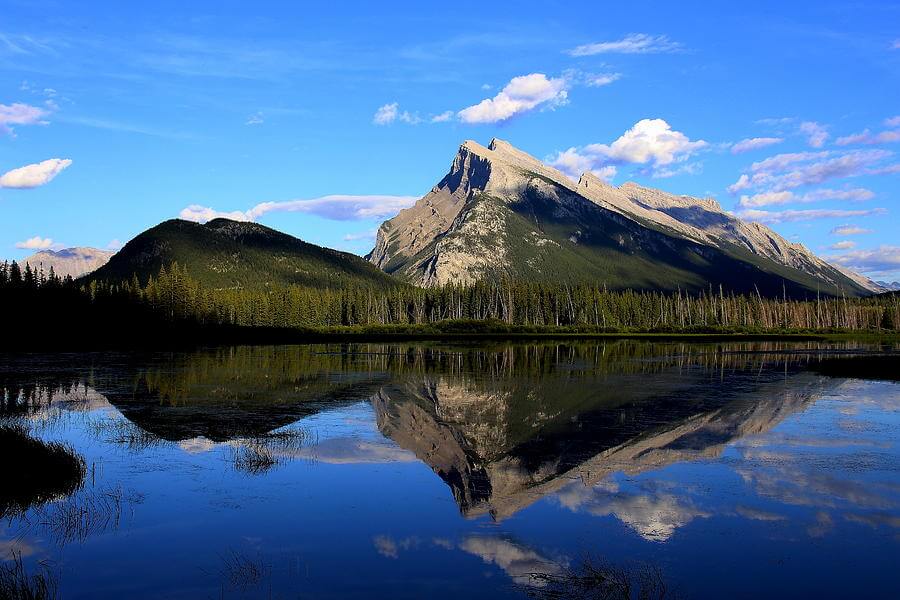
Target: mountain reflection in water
(583, 425)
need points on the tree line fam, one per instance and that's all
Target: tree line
(172, 296)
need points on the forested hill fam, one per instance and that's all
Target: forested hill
(230, 254)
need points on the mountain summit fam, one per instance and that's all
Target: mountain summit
(229, 254)
(500, 212)
(73, 262)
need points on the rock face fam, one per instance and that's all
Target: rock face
(74, 262)
(500, 212)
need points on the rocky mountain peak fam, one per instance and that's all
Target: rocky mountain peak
(482, 218)
(74, 262)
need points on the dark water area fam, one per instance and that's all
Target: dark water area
(602, 469)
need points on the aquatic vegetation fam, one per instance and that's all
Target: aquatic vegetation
(17, 584)
(242, 571)
(593, 578)
(124, 432)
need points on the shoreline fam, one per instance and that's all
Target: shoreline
(197, 336)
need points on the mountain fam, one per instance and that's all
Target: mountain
(69, 261)
(889, 286)
(501, 212)
(227, 254)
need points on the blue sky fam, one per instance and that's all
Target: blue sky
(116, 116)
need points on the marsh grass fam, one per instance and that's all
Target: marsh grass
(17, 584)
(259, 454)
(85, 514)
(124, 433)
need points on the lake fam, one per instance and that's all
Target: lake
(582, 469)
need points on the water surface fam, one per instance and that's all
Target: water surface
(465, 471)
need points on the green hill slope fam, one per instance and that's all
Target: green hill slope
(230, 254)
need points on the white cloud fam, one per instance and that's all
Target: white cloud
(114, 244)
(35, 243)
(442, 117)
(849, 230)
(202, 214)
(634, 43)
(789, 171)
(896, 44)
(601, 79)
(893, 121)
(750, 144)
(572, 163)
(816, 133)
(649, 141)
(869, 138)
(389, 113)
(786, 197)
(34, 175)
(767, 199)
(522, 94)
(386, 114)
(843, 245)
(20, 114)
(884, 259)
(740, 185)
(255, 119)
(791, 216)
(335, 207)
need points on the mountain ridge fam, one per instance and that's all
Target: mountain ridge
(72, 262)
(502, 212)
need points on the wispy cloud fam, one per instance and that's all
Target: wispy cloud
(522, 94)
(34, 175)
(791, 216)
(634, 43)
(127, 127)
(787, 197)
(866, 137)
(650, 142)
(442, 117)
(842, 245)
(335, 207)
(751, 144)
(849, 230)
(816, 133)
(21, 114)
(788, 171)
(255, 119)
(389, 113)
(601, 79)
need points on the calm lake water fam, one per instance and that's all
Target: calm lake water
(738, 470)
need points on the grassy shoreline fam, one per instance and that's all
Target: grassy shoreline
(187, 336)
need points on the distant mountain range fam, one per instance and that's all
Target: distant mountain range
(231, 254)
(500, 212)
(73, 262)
